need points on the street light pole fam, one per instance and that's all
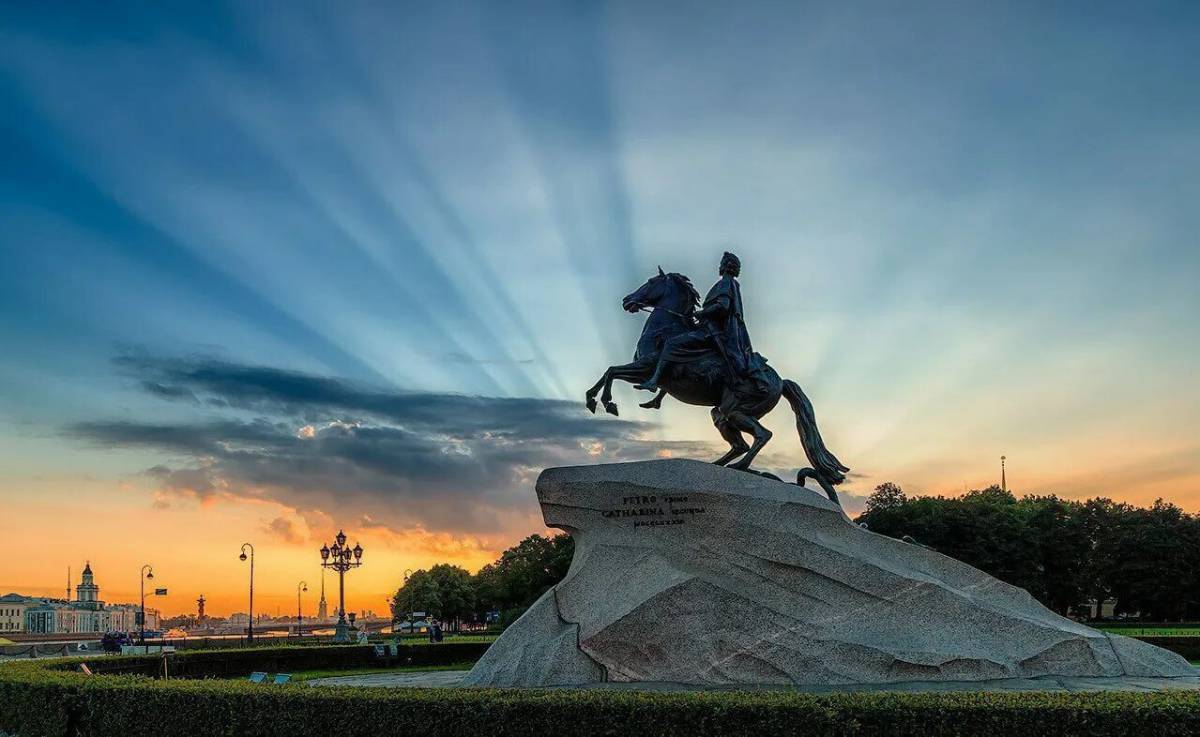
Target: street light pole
(341, 559)
(302, 586)
(250, 631)
(146, 573)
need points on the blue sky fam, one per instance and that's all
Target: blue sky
(967, 229)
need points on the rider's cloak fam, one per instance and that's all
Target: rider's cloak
(728, 325)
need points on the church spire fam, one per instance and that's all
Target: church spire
(322, 607)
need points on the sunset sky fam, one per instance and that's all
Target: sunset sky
(269, 269)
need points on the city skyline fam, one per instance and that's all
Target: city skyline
(270, 275)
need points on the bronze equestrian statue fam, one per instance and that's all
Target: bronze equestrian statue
(705, 358)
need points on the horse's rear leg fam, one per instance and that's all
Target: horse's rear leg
(762, 435)
(737, 444)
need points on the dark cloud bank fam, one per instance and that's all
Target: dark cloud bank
(442, 462)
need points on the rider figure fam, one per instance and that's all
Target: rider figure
(720, 326)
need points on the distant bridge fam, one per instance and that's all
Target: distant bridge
(374, 624)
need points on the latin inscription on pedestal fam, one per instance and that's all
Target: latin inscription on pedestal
(653, 510)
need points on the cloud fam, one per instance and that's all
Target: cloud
(284, 529)
(281, 392)
(404, 460)
(199, 482)
(168, 392)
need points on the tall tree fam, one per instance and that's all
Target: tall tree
(523, 573)
(446, 592)
(1060, 551)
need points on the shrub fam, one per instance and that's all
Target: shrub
(1188, 647)
(229, 663)
(40, 698)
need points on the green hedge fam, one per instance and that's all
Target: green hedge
(229, 663)
(1188, 647)
(39, 698)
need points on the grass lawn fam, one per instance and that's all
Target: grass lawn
(1135, 631)
(308, 675)
(449, 638)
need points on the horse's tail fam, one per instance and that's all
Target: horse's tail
(826, 468)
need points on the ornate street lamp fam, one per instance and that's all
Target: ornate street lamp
(302, 586)
(147, 574)
(341, 559)
(242, 557)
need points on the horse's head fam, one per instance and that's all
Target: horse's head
(670, 291)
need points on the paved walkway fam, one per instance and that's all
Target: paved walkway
(409, 679)
(451, 678)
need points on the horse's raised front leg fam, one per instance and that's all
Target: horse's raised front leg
(630, 372)
(590, 396)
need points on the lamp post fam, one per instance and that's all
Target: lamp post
(146, 574)
(341, 559)
(250, 631)
(302, 586)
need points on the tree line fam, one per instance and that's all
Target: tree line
(1065, 553)
(505, 588)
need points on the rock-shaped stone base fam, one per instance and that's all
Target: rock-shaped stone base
(685, 572)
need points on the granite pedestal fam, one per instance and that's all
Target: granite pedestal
(688, 573)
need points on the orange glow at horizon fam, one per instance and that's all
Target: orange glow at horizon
(194, 545)
(194, 549)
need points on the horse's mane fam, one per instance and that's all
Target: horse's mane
(687, 284)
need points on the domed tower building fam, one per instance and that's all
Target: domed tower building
(87, 593)
(90, 615)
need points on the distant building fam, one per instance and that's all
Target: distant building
(50, 616)
(1106, 609)
(90, 615)
(12, 612)
(87, 593)
(87, 614)
(322, 608)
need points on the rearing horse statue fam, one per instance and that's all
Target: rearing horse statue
(736, 405)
